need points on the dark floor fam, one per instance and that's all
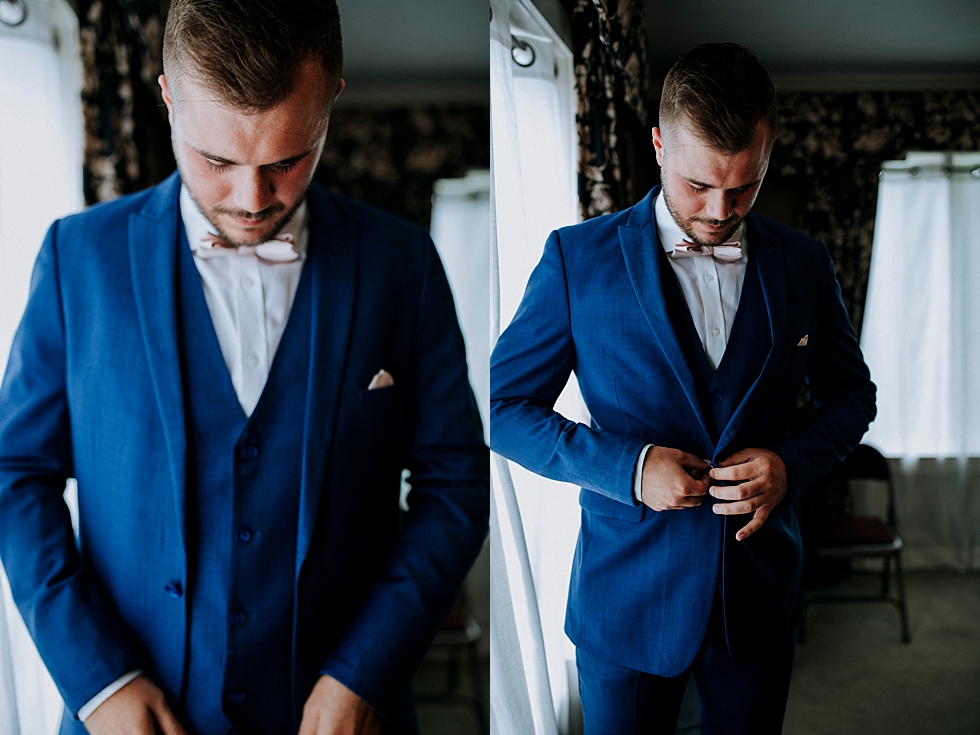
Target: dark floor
(446, 718)
(854, 676)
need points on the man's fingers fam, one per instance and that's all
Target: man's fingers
(689, 461)
(760, 517)
(169, 725)
(740, 457)
(694, 487)
(736, 492)
(735, 473)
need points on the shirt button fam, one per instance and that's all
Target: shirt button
(173, 589)
(715, 331)
(252, 360)
(717, 396)
(236, 696)
(250, 451)
(243, 535)
(237, 617)
(247, 281)
(708, 277)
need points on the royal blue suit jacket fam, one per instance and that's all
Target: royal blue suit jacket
(643, 582)
(93, 391)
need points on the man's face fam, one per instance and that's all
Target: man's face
(707, 192)
(248, 171)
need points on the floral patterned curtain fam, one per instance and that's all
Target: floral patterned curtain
(830, 148)
(612, 80)
(391, 157)
(127, 137)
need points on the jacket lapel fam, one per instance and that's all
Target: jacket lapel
(640, 243)
(772, 276)
(153, 265)
(333, 260)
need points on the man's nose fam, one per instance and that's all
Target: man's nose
(253, 189)
(719, 206)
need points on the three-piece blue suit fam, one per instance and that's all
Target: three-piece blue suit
(604, 302)
(236, 558)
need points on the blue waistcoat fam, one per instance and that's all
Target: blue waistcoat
(243, 486)
(721, 390)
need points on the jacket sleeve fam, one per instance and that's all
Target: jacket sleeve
(81, 639)
(841, 392)
(529, 368)
(448, 517)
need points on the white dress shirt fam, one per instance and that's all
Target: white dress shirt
(712, 290)
(249, 301)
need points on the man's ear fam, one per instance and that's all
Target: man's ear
(167, 99)
(340, 88)
(658, 145)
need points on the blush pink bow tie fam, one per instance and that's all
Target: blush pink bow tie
(727, 252)
(280, 249)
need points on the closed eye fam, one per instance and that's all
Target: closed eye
(281, 168)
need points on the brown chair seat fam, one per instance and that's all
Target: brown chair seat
(855, 532)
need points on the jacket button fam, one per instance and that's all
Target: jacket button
(250, 451)
(243, 535)
(236, 696)
(717, 396)
(237, 617)
(173, 589)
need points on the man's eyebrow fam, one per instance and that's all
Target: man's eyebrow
(709, 186)
(283, 162)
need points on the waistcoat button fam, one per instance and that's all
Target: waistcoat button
(173, 589)
(717, 396)
(236, 696)
(243, 535)
(250, 451)
(237, 617)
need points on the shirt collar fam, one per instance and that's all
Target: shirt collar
(670, 234)
(196, 225)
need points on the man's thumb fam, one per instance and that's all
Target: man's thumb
(169, 724)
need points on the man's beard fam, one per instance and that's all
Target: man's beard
(686, 224)
(266, 214)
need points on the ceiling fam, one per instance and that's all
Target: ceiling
(421, 40)
(825, 36)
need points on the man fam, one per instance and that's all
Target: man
(236, 366)
(690, 324)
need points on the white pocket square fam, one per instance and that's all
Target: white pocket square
(381, 379)
(803, 342)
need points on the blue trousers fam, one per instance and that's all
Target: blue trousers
(733, 701)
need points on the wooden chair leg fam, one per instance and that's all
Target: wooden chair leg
(903, 603)
(801, 631)
(476, 680)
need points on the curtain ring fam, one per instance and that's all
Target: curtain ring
(521, 52)
(12, 12)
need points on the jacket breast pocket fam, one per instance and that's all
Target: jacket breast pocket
(601, 505)
(377, 396)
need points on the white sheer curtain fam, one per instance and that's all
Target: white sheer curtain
(40, 180)
(534, 522)
(921, 338)
(460, 229)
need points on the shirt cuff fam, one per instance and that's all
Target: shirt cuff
(90, 706)
(638, 474)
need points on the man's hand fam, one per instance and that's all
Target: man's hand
(761, 475)
(673, 479)
(139, 708)
(333, 709)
